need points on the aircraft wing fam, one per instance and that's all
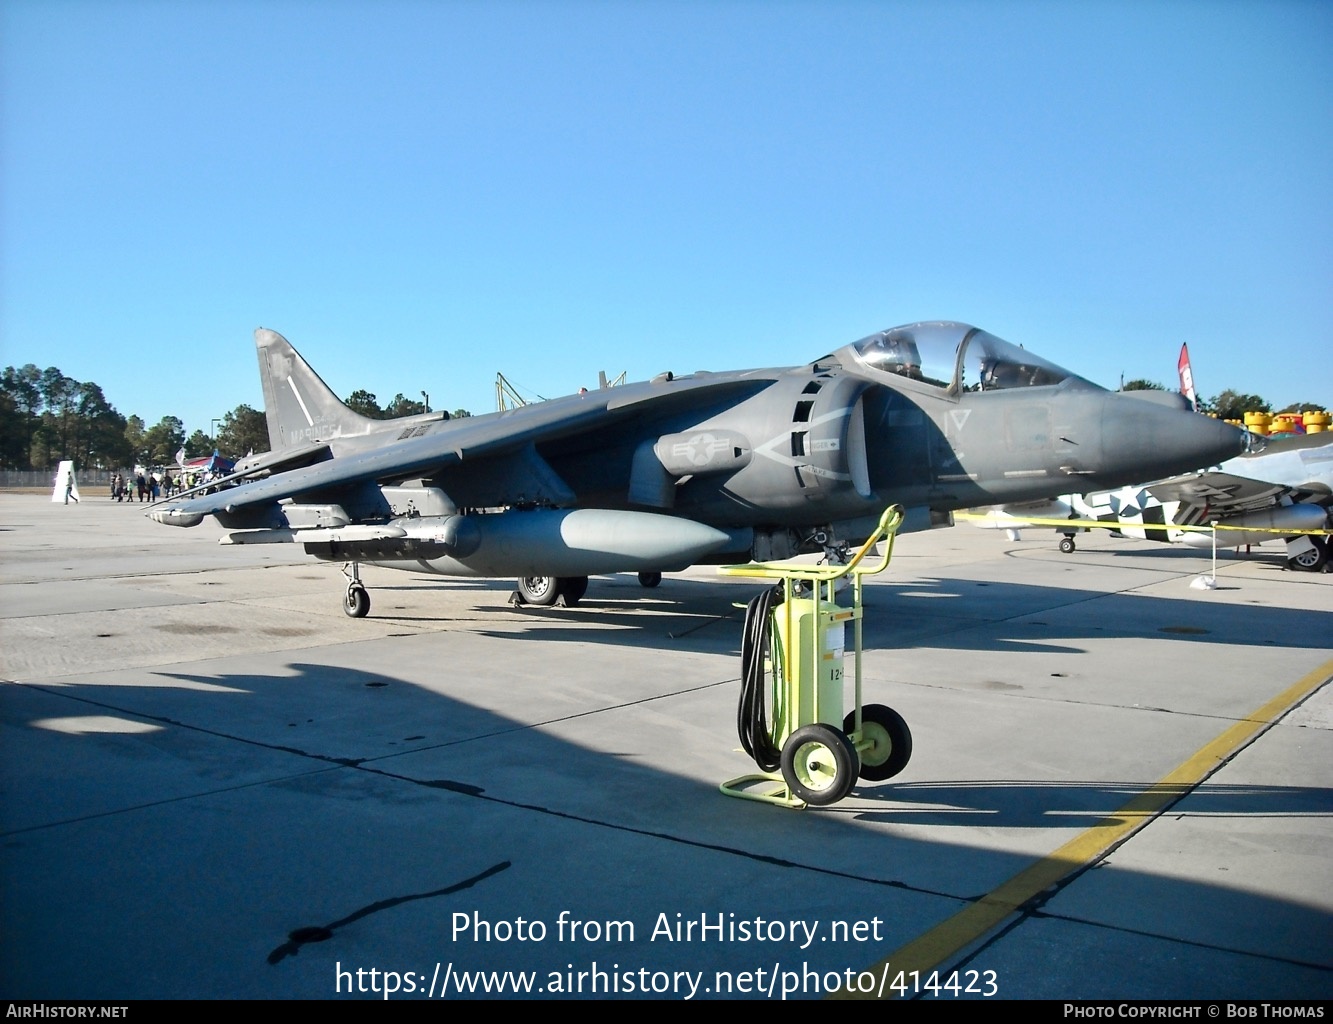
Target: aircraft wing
(1215, 494)
(1295, 470)
(1216, 489)
(465, 440)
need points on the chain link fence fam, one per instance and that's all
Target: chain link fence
(46, 478)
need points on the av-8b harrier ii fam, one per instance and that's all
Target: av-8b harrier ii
(678, 470)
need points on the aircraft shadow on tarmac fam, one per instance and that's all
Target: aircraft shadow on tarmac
(408, 769)
(948, 614)
(493, 800)
(1178, 556)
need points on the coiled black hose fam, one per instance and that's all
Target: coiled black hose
(751, 720)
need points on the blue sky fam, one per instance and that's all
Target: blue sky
(419, 194)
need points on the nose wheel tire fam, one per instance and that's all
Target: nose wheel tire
(889, 738)
(649, 579)
(573, 587)
(356, 602)
(819, 764)
(1067, 545)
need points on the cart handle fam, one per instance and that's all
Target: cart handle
(889, 524)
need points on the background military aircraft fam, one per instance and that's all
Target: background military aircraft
(716, 467)
(1288, 486)
(1283, 483)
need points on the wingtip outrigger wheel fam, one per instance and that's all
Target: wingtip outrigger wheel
(356, 602)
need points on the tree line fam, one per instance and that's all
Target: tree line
(1229, 404)
(46, 417)
(368, 405)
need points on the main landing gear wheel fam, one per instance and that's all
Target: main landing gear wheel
(539, 590)
(1067, 545)
(356, 602)
(890, 742)
(649, 579)
(544, 591)
(1311, 559)
(819, 764)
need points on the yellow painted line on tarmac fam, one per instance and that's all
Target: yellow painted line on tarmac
(926, 952)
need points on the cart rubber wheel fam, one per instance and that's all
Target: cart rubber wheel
(1067, 545)
(539, 590)
(356, 602)
(649, 579)
(573, 587)
(890, 739)
(819, 764)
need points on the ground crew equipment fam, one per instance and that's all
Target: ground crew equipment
(793, 655)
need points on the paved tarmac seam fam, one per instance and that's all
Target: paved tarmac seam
(731, 681)
(782, 862)
(1177, 940)
(555, 721)
(322, 933)
(1046, 698)
(460, 789)
(989, 622)
(1031, 888)
(166, 573)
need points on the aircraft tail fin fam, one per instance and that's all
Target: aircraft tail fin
(1187, 377)
(299, 406)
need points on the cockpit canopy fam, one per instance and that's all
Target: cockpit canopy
(956, 358)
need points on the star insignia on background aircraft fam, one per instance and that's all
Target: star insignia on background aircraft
(1128, 501)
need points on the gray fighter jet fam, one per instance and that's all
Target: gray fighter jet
(704, 467)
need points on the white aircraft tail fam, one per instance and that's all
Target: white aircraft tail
(299, 406)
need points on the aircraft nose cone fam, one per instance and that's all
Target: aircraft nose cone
(1142, 442)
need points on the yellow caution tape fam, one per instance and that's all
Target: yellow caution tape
(1016, 522)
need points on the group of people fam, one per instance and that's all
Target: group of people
(148, 486)
(151, 485)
